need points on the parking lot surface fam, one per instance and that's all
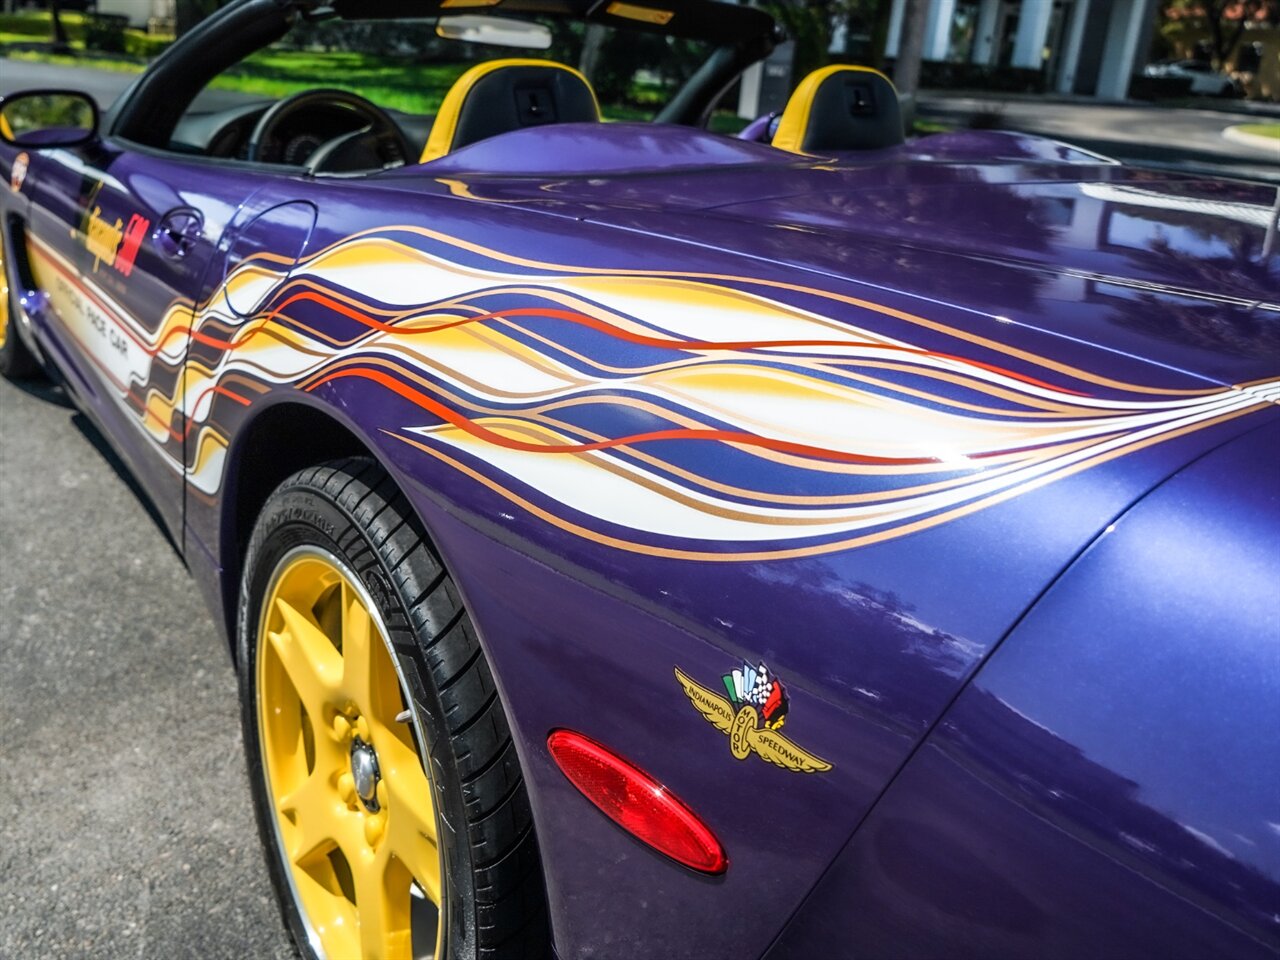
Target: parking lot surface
(126, 828)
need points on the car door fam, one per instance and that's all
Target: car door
(238, 338)
(118, 243)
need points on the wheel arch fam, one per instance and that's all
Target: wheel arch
(277, 442)
(293, 434)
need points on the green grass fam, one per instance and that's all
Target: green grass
(396, 85)
(1271, 130)
(923, 128)
(726, 121)
(28, 27)
(8, 36)
(75, 60)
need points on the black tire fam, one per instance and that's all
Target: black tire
(493, 901)
(16, 361)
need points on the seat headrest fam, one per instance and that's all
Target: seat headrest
(504, 95)
(841, 108)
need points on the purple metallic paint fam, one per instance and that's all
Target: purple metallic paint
(757, 131)
(874, 644)
(868, 669)
(58, 185)
(1108, 784)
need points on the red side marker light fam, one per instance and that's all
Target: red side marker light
(636, 802)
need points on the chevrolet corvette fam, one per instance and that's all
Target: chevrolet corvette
(638, 541)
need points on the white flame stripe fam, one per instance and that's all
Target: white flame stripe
(473, 366)
(174, 347)
(711, 322)
(622, 491)
(400, 278)
(876, 426)
(719, 317)
(618, 497)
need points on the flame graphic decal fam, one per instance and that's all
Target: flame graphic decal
(680, 415)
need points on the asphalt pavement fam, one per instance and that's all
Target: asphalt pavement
(103, 85)
(126, 827)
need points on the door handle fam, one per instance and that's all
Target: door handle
(178, 232)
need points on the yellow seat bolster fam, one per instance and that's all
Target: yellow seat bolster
(440, 142)
(795, 117)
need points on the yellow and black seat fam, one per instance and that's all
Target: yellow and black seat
(838, 109)
(505, 95)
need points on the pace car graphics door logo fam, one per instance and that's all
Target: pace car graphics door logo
(114, 243)
(753, 696)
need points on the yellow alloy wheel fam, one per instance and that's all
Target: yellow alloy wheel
(4, 299)
(354, 817)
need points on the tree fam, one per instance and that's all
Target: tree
(589, 62)
(187, 13)
(811, 24)
(906, 69)
(1225, 20)
(60, 39)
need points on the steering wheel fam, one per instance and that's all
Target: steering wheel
(379, 139)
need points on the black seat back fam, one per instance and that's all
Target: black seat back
(504, 95)
(841, 108)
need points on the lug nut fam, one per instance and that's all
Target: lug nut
(374, 825)
(347, 788)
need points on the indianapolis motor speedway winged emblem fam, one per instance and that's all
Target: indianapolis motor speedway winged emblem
(753, 695)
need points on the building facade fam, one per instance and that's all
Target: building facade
(1087, 47)
(141, 13)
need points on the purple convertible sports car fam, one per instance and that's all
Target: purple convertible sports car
(640, 542)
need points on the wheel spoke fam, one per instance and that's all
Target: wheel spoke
(310, 660)
(316, 814)
(358, 638)
(411, 820)
(382, 906)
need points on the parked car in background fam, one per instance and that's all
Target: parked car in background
(1205, 81)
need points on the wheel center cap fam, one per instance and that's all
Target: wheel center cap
(364, 773)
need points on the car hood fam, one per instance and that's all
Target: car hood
(1165, 269)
